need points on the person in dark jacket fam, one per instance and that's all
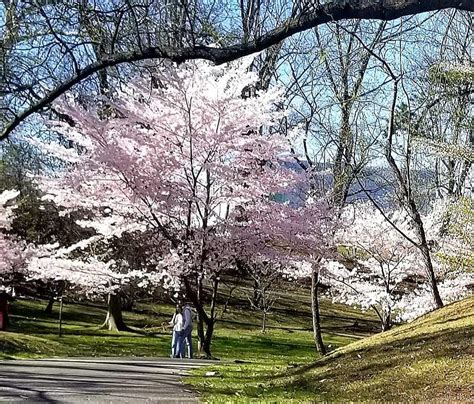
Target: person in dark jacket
(4, 319)
(187, 330)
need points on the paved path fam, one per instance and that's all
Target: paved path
(96, 380)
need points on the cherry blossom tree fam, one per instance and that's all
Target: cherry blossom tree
(265, 276)
(450, 224)
(381, 260)
(12, 250)
(13, 253)
(298, 239)
(183, 159)
(384, 263)
(91, 267)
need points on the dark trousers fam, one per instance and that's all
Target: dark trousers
(188, 342)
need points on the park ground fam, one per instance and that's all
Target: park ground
(429, 359)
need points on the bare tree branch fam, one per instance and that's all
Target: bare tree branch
(309, 17)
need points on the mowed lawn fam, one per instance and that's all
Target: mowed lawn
(237, 337)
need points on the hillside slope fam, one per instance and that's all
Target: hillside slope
(430, 359)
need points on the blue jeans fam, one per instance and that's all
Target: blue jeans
(177, 350)
(186, 339)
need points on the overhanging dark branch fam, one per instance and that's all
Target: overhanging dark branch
(312, 17)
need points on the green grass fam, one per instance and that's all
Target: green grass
(431, 359)
(34, 334)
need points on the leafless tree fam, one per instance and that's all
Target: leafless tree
(329, 95)
(441, 111)
(265, 279)
(399, 159)
(48, 47)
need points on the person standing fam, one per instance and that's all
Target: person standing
(177, 322)
(187, 330)
(4, 318)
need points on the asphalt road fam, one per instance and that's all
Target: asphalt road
(95, 380)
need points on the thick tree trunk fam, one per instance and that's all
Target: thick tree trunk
(56, 289)
(318, 338)
(206, 326)
(206, 344)
(4, 313)
(49, 307)
(114, 320)
(205, 322)
(205, 331)
(201, 334)
(6, 319)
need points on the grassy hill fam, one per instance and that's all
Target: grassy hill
(430, 359)
(35, 334)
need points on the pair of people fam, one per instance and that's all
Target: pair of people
(182, 323)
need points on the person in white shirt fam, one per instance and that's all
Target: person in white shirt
(177, 322)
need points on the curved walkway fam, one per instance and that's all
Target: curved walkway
(96, 380)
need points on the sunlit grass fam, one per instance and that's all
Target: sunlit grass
(429, 359)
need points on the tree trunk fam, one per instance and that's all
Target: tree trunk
(208, 323)
(256, 293)
(425, 253)
(201, 334)
(4, 312)
(264, 322)
(205, 322)
(431, 276)
(381, 317)
(318, 338)
(57, 289)
(114, 320)
(205, 331)
(6, 319)
(405, 194)
(387, 323)
(342, 171)
(385, 319)
(200, 314)
(49, 307)
(206, 343)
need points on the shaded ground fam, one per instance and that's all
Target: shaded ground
(96, 380)
(34, 334)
